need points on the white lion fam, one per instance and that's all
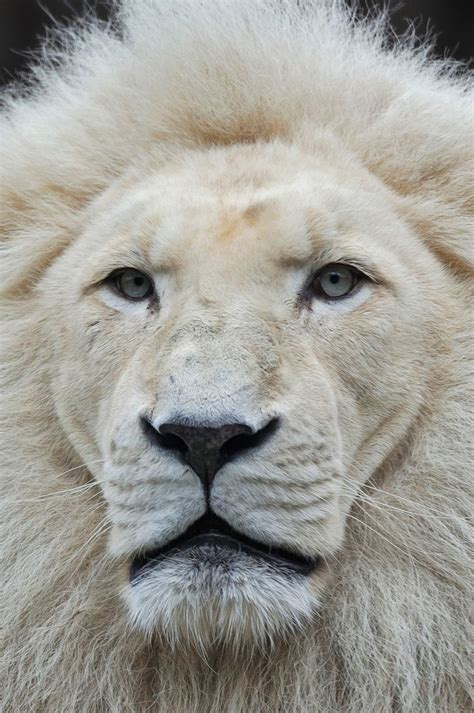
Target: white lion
(236, 358)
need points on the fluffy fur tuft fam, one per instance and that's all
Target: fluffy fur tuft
(392, 635)
(226, 611)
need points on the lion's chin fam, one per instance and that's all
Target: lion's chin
(210, 596)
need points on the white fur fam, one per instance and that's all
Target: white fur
(222, 606)
(132, 124)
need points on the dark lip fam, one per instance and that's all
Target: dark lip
(213, 530)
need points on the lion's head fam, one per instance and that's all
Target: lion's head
(238, 344)
(235, 376)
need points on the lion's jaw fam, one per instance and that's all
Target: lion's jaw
(235, 340)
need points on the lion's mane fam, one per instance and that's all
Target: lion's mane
(392, 635)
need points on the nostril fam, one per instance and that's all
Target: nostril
(166, 440)
(246, 441)
(171, 442)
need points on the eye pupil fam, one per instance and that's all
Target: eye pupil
(334, 278)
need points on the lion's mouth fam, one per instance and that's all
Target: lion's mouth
(212, 531)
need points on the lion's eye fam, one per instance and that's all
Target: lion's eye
(132, 284)
(335, 281)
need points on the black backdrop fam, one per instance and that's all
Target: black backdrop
(22, 22)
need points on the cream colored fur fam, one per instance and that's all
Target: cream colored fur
(228, 141)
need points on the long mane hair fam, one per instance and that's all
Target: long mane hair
(391, 636)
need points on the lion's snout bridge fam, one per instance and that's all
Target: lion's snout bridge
(207, 448)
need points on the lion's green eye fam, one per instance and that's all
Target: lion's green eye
(335, 281)
(132, 284)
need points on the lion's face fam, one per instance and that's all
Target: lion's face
(236, 353)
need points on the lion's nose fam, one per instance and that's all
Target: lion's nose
(206, 448)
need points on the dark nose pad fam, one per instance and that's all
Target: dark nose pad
(206, 448)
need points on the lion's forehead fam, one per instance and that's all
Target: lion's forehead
(208, 214)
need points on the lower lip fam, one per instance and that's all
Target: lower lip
(290, 566)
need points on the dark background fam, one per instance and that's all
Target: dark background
(22, 22)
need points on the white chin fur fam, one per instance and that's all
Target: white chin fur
(214, 600)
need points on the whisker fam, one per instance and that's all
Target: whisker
(422, 510)
(405, 551)
(103, 525)
(83, 465)
(57, 494)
